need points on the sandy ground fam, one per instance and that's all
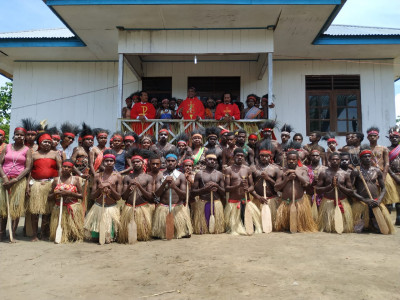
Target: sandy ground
(273, 266)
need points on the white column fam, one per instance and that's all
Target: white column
(120, 84)
(271, 111)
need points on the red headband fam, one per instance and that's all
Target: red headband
(373, 132)
(315, 150)
(253, 136)
(67, 163)
(197, 134)
(265, 152)
(20, 128)
(109, 156)
(102, 134)
(80, 139)
(117, 136)
(223, 131)
(267, 129)
(2, 132)
(182, 142)
(332, 140)
(137, 157)
(129, 138)
(44, 136)
(56, 136)
(164, 130)
(32, 131)
(395, 133)
(88, 137)
(252, 97)
(188, 160)
(69, 134)
(365, 152)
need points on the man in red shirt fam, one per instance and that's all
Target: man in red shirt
(143, 111)
(227, 111)
(191, 108)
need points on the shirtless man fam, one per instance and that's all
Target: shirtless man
(315, 137)
(268, 134)
(227, 153)
(171, 184)
(329, 179)
(266, 173)
(126, 111)
(96, 152)
(223, 143)
(212, 145)
(345, 162)
(46, 166)
(285, 137)
(107, 187)
(314, 170)
(162, 146)
(297, 177)
(142, 184)
(239, 182)
(362, 207)
(380, 158)
(241, 136)
(206, 182)
(393, 181)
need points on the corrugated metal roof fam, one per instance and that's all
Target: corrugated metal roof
(360, 30)
(41, 33)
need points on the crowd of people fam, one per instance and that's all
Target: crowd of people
(223, 108)
(212, 180)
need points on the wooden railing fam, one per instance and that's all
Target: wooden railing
(175, 127)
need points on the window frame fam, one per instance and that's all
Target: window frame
(333, 118)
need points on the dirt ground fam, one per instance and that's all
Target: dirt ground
(264, 266)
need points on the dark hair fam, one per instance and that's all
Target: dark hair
(109, 151)
(227, 92)
(265, 96)
(69, 160)
(342, 154)
(373, 128)
(230, 133)
(359, 135)
(298, 134)
(238, 150)
(293, 152)
(212, 130)
(317, 134)
(334, 154)
(241, 130)
(141, 93)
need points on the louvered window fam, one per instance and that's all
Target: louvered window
(333, 104)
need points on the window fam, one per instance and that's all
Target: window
(159, 87)
(215, 86)
(333, 104)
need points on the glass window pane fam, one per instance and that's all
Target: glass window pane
(341, 113)
(341, 100)
(314, 126)
(325, 126)
(313, 113)
(346, 100)
(324, 100)
(352, 113)
(313, 100)
(353, 125)
(318, 100)
(342, 126)
(324, 114)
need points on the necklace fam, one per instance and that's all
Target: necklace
(14, 158)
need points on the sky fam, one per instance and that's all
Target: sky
(20, 15)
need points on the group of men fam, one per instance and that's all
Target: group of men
(214, 181)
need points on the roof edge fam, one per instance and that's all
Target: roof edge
(41, 42)
(357, 40)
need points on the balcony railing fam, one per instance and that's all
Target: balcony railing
(175, 127)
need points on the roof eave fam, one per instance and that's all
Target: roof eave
(41, 42)
(357, 40)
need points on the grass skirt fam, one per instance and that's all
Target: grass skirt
(273, 204)
(71, 223)
(182, 222)
(362, 220)
(111, 219)
(392, 191)
(16, 198)
(305, 222)
(326, 216)
(38, 202)
(233, 220)
(143, 218)
(200, 223)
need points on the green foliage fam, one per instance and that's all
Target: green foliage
(5, 108)
(398, 120)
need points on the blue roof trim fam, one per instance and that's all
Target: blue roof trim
(41, 42)
(358, 40)
(192, 2)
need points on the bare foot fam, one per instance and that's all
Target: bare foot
(35, 239)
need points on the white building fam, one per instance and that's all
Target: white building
(323, 77)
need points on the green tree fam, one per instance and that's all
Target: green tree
(5, 108)
(398, 120)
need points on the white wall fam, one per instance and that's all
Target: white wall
(68, 91)
(36, 82)
(377, 91)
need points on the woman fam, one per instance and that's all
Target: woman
(15, 164)
(69, 188)
(198, 154)
(122, 164)
(164, 112)
(210, 109)
(251, 112)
